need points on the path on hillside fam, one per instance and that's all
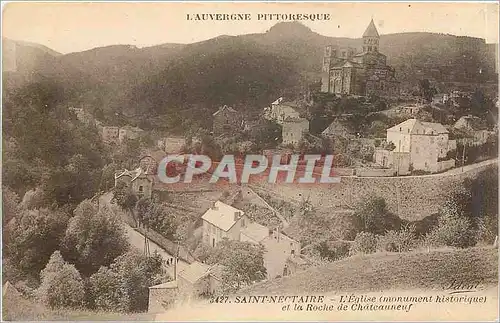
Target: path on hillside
(276, 212)
(450, 172)
(136, 239)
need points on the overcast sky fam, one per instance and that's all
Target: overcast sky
(71, 27)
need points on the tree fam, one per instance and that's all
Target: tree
(374, 217)
(266, 134)
(427, 92)
(94, 238)
(243, 263)
(10, 205)
(61, 286)
(35, 235)
(125, 198)
(477, 200)
(51, 148)
(153, 215)
(123, 286)
(453, 228)
(108, 177)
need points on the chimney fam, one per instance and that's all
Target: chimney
(214, 206)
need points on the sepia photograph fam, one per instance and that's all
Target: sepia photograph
(253, 161)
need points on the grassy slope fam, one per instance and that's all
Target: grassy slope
(16, 308)
(388, 271)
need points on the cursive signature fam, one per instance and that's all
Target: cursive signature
(463, 286)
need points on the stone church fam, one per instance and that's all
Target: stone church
(346, 71)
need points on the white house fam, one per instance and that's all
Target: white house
(293, 130)
(222, 221)
(426, 142)
(279, 247)
(280, 111)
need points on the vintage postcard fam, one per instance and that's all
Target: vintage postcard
(333, 161)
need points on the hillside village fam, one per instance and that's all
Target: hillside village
(216, 239)
(426, 135)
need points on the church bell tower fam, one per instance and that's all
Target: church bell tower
(371, 38)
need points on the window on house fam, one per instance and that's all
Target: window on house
(293, 252)
(400, 129)
(141, 189)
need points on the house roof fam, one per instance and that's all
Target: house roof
(335, 128)
(195, 272)
(255, 231)
(437, 127)
(475, 123)
(371, 30)
(216, 271)
(222, 215)
(413, 126)
(10, 290)
(278, 101)
(131, 173)
(167, 285)
(224, 108)
(295, 120)
(130, 128)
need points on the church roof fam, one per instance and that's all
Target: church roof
(371, 30)
(347, 63)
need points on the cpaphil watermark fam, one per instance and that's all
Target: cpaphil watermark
(302, 169)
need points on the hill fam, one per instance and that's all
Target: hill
(246, 71)
(387, 271)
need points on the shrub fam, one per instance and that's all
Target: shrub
(365, 242)
(420, 172)
(104, 290)
(333, 250)
(124, 286)
(373, 216)
(33, 238)
(453, 231)
(243, 263)
(203, 252)
(94, 238)
(486, 233)
(153, 215)
(62, 286)
(398, 241)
